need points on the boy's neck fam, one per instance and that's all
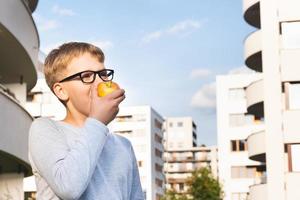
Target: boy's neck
(75, 118)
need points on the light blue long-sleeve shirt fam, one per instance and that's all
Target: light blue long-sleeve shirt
(87, 163)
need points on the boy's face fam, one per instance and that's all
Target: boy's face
(79, 92)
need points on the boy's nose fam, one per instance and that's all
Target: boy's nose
(98, 79)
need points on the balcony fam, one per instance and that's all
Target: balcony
(19, 39)
(177, 177)
(32, 4)
(254, 93)
(252, 52)
(178, 168)
(258, 192)
(200, 156)
(179, 157)
(252, 12)
(257, 146)
(14, 124)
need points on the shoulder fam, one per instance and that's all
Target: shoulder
(123, 140)
(43, 127)
(124, 145)
(42, 121)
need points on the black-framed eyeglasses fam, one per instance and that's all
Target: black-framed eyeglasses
(89, 76)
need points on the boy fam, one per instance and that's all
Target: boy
(78, 158)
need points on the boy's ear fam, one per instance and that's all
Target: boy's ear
(60, 92)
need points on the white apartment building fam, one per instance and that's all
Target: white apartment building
(143, 126)
(19, 47)
(182, 156)
(234, 125)
(180, 133)
(179, 165)
(274, 50)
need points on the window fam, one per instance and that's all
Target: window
(181, 186)
(157, 138)
(158, 124)
(123, 132)
(194, 135)
(242, 145)
(233, 145)
(172, 185)
(171, 124)
(179, 124)
(158, 167)
(293, 98)
(194, 144)
(158, 153)
(238, 145)
(140, 163)
(243, 172)
(293, 157)
(158, 182)
(123, 118)
(290, 35)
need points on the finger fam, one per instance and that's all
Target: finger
(116, 94)
(119, 99)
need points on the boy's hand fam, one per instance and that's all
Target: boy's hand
(105, 108)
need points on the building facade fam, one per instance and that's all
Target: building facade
(19, 49)
(234, 125)
(182, 155)
(180, 133)
(179, 165)
(143, 126)
(274, 50)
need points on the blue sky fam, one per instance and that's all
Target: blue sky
(166, 53)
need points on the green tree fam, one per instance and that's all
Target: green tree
(203, 186)
(172, 195)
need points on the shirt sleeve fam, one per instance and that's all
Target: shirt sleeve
(67, 168)
(136, 190)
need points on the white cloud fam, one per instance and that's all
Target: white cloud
(205, 97)
(179, 28)
(104, 45)
(45, 24)
(152, 36)
(62, 11)
(200, 73)
(184, 25)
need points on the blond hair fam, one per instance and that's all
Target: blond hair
(58, 59)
